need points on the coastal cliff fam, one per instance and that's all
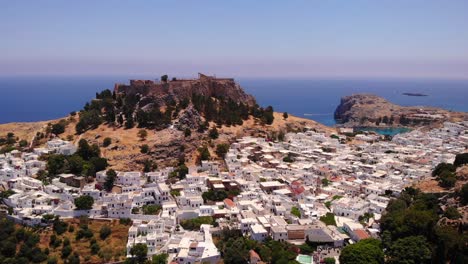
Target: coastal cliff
(367, 110)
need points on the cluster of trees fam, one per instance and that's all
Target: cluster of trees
(124, 110)
(86, 161)
(235, 249)
(214, 195)
(180, 172)
(101, 109)
(410, 233)
(445, 172)
(220, 110)
(219, 195)
(151, 209)
(19, 245)
(222, 149)
(204, 154)
(195, 223)
(365, 251)
(139, 254)
(224, 111)
(83, 234)
(58, 128)
(10, 142)
(84, 202)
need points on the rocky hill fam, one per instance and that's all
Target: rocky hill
(373, 111)
(177, 90)
(179, 117)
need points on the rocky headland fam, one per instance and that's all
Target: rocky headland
(367, 110)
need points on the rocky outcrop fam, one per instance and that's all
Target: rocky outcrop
(180, 89)
(373, 111)
(188, 119)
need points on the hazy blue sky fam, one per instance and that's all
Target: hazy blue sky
(374, 38)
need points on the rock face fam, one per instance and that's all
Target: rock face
(178, 90)
(373, 111)
(189, 118)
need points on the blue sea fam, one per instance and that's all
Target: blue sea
(43, 98)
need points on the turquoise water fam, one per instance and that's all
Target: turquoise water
(388, 131)
(304, 259)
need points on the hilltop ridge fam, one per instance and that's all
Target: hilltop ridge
(179, 89)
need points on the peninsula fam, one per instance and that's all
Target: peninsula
(368, 110)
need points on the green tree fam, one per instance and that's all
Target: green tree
(88, 120)
(144, 148)
(23, 143)
(325, 182)
(285, 115)
(106, 142)
(164, 78)
(222, 149)
(105, 232)
(58, 128)
(447, 179)
(460, 159)
(213, 133)
(111, 176)
(441, 167)
(73, 259)
(98, 163)
(84, 202)
(295, 211)
(142, 134)
(268, 116)
(66, 251)
(328, 219)
(151, 209)
(56, 164)
(182, 171)
(75, 164)
(139, 253)
(86, 151)
(452, 213)
(329, 260)
(367, 251)
(409, 250)
(204, 153)
(160, 258)
(95, 248)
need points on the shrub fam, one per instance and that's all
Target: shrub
(328, 219)
(66, 251)
(144, 148)
(105, 232)
(295, 211)
(125, 221)
(106, 142)
(213, 133)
